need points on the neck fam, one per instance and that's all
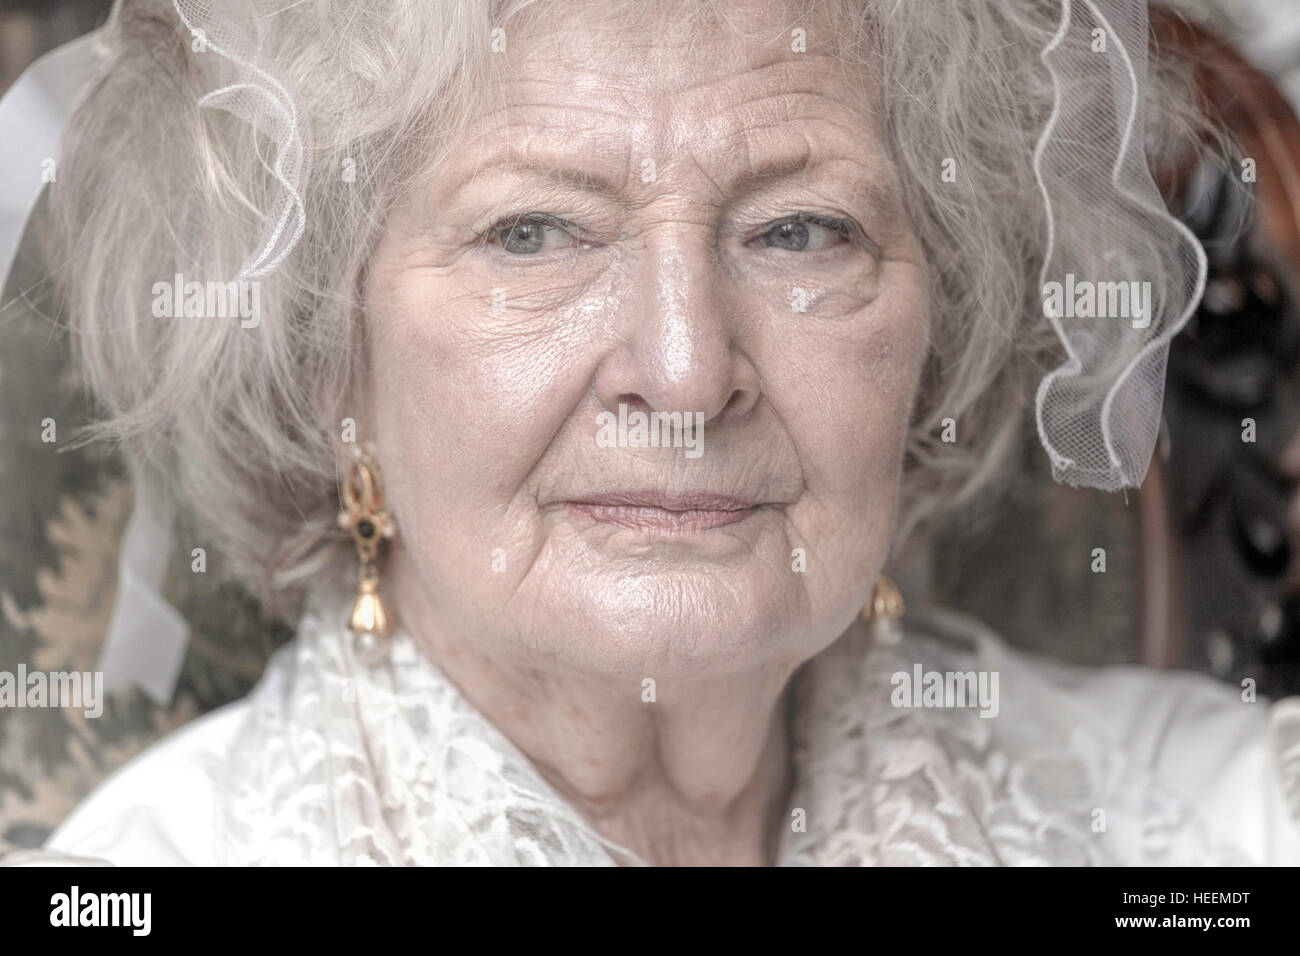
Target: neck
(699, 775)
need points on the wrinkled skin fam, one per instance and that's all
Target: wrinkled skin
(761, 273)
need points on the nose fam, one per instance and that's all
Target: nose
(678, 342)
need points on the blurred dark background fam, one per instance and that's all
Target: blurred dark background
(29, 28)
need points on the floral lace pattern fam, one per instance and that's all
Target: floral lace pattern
(911, 786)
(344, 764)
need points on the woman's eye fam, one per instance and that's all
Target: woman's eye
(803, 234)
(531, 234)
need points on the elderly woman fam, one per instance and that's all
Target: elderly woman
(585, 364)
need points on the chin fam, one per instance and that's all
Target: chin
(695, 625)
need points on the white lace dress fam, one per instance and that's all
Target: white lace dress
(331, 762)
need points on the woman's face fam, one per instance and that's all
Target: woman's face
(694, 223)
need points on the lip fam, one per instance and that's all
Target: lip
(658, 513)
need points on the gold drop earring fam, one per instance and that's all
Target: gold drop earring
(884, 611)
(365, 516)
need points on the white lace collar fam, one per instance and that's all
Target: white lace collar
(344, 764)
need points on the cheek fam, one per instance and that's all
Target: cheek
(854, 462)
(846, 390)
(476, 387)
(484, 369)
(471, 386)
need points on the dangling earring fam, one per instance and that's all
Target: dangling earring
(884, 611)
(365, 517)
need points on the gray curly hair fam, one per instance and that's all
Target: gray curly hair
(237, 429)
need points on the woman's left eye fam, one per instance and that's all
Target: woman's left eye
(531, 234)
(805, 234)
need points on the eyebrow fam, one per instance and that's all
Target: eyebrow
(572, 176)
(879, 193)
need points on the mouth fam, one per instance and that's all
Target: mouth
(655, 513)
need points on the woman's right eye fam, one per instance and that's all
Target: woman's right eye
(531, 234)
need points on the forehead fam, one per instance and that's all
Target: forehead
(754, 93)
